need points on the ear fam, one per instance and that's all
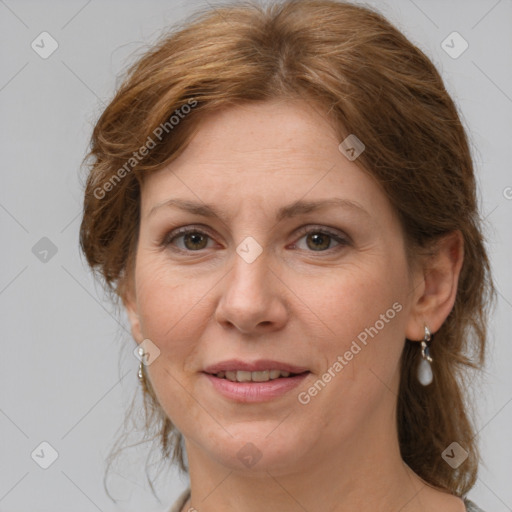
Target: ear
(129, 299)
(435, 285)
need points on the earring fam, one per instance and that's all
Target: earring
(140, 351)
(425, 375)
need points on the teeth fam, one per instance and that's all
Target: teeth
(244, 376)
(260, 376)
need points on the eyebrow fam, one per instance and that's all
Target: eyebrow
(294, 209)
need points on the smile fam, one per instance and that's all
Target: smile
(259, 376)
(244, 386)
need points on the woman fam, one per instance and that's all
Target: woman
(284, 201)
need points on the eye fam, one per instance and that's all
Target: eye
(193, 239)
(317, 239)
(320, 239)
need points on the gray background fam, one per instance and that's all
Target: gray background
(67, 368)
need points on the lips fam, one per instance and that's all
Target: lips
(254, 381)
(254, 391)
(261, 365)
(260, 376)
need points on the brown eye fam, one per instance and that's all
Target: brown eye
(192, 240)
(318, 241)
(195, 240)
(321, 240)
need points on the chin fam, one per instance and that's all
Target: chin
(259, 450)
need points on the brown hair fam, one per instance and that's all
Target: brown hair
(372, 82)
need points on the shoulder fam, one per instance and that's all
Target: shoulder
(471, 507)
(182, 499)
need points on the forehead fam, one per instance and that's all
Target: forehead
(274, 127)
(262, 155)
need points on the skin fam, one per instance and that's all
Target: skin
(294, 303)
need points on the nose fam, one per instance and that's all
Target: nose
(253, 298)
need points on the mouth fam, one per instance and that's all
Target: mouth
(254, 382)
(258, 376)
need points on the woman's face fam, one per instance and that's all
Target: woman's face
(324, 289)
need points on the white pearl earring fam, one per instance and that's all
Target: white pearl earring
(425, 375)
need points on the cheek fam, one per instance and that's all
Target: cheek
(172, 316)
(362, 312)
(363, 316)
(171, 309)
(349, 300)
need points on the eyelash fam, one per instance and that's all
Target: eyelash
(173, 235)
